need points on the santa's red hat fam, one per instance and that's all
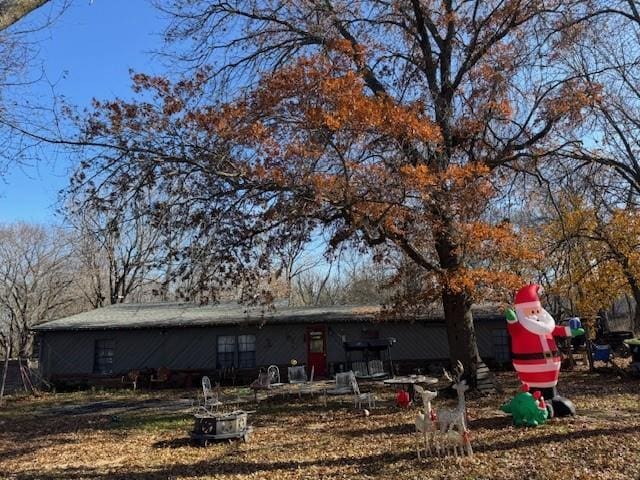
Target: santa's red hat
(527, 297)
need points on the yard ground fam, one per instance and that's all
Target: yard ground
(144, 435)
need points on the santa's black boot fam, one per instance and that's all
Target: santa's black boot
(562, 407)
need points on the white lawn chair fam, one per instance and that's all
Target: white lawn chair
(343, 384)
(297, 374)
(211, 397)
(376, 369)
(359, 397)
(274, 373)
(360, 369)
(307, 387)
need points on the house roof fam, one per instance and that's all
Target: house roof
(170, 315)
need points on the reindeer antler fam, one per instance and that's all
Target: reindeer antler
(457, 373)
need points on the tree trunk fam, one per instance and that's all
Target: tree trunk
(13, 10)
(635, 314)
(5, 369)
(635, 292)
(589, 346)
(461, 332)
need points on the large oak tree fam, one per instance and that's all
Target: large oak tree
(386, 124)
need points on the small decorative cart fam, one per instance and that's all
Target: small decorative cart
(220, 426)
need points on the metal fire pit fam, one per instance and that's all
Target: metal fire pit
(219, 426)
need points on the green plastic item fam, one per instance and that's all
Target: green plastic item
(632, 341)
(525, 411)
(576, 332)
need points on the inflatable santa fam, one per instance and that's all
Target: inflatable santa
(534, 353)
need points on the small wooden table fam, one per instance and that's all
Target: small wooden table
(410, 381)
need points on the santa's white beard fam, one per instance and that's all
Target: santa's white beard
(540, 324)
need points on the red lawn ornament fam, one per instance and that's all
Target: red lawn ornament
(402, 399)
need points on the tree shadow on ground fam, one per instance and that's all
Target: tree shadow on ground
(26, 446)
(117, 407)
(490, 423)
(14, 453)
(398, 429)
(368, 465)
(544, 439)
(175, 443)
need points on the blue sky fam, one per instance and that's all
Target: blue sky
(86, 53)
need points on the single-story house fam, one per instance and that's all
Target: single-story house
(218, 339)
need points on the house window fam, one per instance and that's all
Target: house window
(35, 349)
(246, 351)
(316, 342)
(226, 351)
(103, 357)
(501, 346)
(237, 351)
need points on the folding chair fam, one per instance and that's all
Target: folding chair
(359, 397)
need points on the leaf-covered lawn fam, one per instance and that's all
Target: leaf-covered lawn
(145, 436)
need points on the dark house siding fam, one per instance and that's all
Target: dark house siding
(72, 353)
(278, 344)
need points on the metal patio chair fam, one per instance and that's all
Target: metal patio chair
(360, 369)
(211, 397)
(297, 374)
(343, 384)
(376, 369)
(359, 397)
(274, 373)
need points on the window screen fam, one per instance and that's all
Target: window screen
(226, 351)
(103, 357)
(316, 342)
(246, 351)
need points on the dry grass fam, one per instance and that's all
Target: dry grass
(145, 436)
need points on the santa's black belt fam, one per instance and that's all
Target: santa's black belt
(535, 356)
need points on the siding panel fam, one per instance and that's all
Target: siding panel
(278, 344)
(69, 353)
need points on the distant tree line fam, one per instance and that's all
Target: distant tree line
(48, 272)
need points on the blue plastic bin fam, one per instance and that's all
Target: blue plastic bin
(601, 352)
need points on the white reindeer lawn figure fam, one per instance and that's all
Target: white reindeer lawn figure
(452, 420)
(426, 423)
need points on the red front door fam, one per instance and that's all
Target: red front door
(317, 350)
